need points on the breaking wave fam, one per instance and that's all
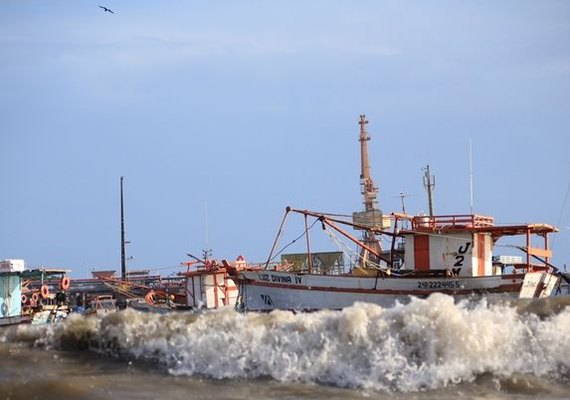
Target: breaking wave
(425, 344)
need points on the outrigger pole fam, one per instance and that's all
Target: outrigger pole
(325, 219)
(277, 237)
(371, 250)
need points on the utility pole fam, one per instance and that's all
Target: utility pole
(429, 185)
(123, 258)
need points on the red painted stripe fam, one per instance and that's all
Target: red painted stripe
(480, 254)
(215, 290)
(407, 276)
(421, 252)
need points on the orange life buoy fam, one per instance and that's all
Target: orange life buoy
(35, 297)
(149, 298)
(44, 291)
(65, 283)
(24, 299)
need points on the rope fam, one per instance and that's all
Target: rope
(294, 240)
(337, 215)
(344, 248)
(356, 256)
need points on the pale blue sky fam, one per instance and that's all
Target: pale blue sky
(252, 106)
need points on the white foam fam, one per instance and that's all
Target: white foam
(426, 344)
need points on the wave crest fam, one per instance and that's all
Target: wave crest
(425, 344)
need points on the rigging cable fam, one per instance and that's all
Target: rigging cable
(294, 240)
(352, 255)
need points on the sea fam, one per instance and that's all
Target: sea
(432, 348)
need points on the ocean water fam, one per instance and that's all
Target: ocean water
(426, 349)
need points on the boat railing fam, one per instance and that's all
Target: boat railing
(425, 222)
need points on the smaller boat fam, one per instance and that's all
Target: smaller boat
(141, 304)
(102, 305)
(544, 284)
(49, 314)
(34, 296)
(209, 283)
(544, 293)
(206, 284)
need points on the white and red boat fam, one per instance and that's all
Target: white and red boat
(206, 284)
(210, 286)
(450, 254)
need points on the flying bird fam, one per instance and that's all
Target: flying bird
(107, 9)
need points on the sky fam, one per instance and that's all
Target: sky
(219, 114)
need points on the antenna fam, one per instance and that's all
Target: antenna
(429, 184)
(402, 196)
(207, 252)
(471, 173)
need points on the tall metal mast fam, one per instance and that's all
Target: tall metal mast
(123, 258)
(429, 184)
(369, 190)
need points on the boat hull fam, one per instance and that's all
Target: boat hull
(270, 290)
(18, 319)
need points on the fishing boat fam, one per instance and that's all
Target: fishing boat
(102, 305)
(451, 254)
(36, 296)
(545, 284)
(209, 284)
(206, 284)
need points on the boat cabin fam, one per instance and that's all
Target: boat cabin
(211, 286)
(24, 293)
(462, 245)
(11, 292)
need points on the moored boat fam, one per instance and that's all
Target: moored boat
(34, 296)
(102, 305)
(442, 254)
(207, 284)
(451, 254)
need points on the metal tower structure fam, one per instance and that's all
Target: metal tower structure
(369, 190)
(371, 216)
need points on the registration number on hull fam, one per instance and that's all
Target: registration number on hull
(439, 285)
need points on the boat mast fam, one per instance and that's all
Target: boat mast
(369, 190)
(429, 184)
(471, 174)
(123, 258)
(207, 252)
